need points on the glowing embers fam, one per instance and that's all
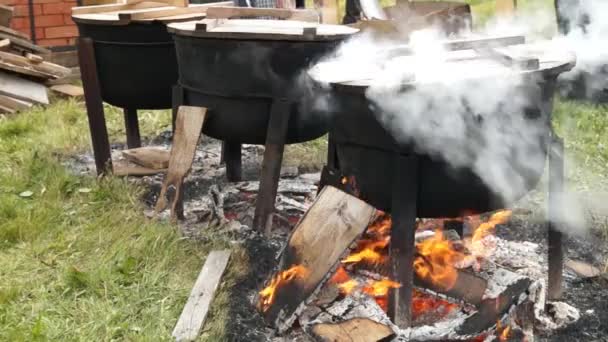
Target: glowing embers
(267, 295)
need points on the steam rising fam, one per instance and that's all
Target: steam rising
(471, 114)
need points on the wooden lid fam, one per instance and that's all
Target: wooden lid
(143, 12)
(464, 59)
(261, 29)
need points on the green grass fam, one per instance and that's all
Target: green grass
(78, 260)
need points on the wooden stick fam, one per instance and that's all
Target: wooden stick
(166, 12)
(189, 125)
(5, 44)
(195, 311)
(150, 157)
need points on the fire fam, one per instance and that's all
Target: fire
(423, 303)
(435, 261)
(267, 295)
(504, 336)
(370, 251)
(379, 288)
(376, 288)
(480, 246)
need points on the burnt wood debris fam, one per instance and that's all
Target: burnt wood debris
(359, 263)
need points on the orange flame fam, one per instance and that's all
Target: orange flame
(436, 260)
(379, 288)
(267, 295)
(369, 251)
(504, 336)
(479, 246)
(423, 303)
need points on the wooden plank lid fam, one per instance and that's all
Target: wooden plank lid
(143, 12)
(262, 29)
(473, 58)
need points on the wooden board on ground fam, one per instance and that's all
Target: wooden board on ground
(150, 157)
(123, 168)
(14, 104)
(22, 89)
(352, 330)
(317, 244)
(68, 90)
(188, 127)
(195, 311)
(583, 269)
(14, 33)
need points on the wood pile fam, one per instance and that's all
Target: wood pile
(25, 72)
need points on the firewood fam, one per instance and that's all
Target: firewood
(14, 104)
(353, 330)
(150, 157)
(195, 311)
(69, 90)
(123, 168)
(188, 127)
(318, 243)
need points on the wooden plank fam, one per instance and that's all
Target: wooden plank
(14, 104)
(318, 242)
(69, 79)
(150, 157)
(23, 44)
(43, 68)
(35, 59)
(6, 14)
(188, 127)
(329, 11)
(195, 311)
(14, 33)
(123, 168)
(352, 330)
(22, 89)
(114, 7)
(5, 44)
(68, 90)
(168, 11)
(227, 12)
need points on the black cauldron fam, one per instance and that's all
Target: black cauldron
(136, 62)
(239, 79)
(362, 149)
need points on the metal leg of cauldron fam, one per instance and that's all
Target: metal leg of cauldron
(271, 166)
(556, 188)
(177, 99)
(332, 164)
(402, 246)
(231, 155)
(132, 128)
(94, 106)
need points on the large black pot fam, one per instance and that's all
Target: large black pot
(239, 79)
(361, 147)
(136, 63)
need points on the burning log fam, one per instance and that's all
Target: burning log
(355, 330)
(317, 244)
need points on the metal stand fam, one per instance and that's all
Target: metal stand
(271, 166)
(94, 105)
(402, 247)
(177, 99)
(555, 195)
(231, 155)
(132, 128)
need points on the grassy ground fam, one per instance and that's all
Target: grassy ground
(78, 260)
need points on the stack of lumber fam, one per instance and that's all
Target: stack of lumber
(25, 75)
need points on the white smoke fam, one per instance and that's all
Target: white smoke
(474, 114)
(588, 38)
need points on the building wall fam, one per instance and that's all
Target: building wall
(52, 20)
